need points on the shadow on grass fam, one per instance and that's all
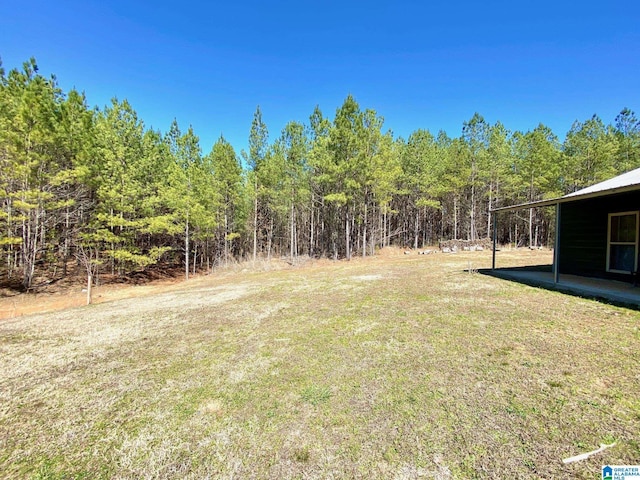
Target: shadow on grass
(541, 276)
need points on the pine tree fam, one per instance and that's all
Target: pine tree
(589, 152)
(627, 132)
(227, 185)
(184, 172)
(295, 145)
(537, 170)
(31, 166)
(475, 134)
(258, 145)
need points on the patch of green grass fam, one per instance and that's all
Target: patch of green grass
(49, 470)
(316, 394)
(379, 368)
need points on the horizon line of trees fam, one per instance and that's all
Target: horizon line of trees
(95, 188)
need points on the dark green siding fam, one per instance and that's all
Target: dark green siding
(583, 233)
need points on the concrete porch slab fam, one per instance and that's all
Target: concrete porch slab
(611, 291)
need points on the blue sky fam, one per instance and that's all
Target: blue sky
(422, 64)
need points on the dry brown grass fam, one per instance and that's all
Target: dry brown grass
(399, 366)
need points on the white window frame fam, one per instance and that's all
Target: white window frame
(635, 244)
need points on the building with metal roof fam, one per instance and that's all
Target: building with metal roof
(597, 230)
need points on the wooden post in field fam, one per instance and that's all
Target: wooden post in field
(89, 283)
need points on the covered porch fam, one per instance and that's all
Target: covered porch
(596, 249)
(542, 276)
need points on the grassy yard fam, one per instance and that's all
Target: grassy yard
(395, 367)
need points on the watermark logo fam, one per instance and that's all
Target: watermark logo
(607, 473)
(621, 472)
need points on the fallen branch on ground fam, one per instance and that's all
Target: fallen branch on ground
(584, 456)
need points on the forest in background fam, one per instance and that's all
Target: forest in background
(94, 189)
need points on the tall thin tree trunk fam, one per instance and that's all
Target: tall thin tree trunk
(292, 246)
(347, 236)
(255, 225)
(372, 241)
(384, 229)
(455, 218)
(296, 239)
(113, 247)
(195, 256)
(311, 239)
(472, 214)
(416, 233)
(65, 254)
(30, 236)
(489, 211)
(10, 252)
(364, 232)
(186, 248)
(226, 241)
(270, 239)
(530, 229)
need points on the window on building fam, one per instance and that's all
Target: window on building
(622, 248)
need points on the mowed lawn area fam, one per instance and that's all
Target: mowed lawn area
(393, 367)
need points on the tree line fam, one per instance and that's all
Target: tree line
(95, 188)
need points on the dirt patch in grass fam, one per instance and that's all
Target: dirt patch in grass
(397, 366)
(70, 292)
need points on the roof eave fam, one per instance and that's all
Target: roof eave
(567, 199)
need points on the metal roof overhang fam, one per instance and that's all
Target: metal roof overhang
(567, 198)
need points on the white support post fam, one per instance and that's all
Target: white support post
(495, 235)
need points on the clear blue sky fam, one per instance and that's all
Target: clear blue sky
(419, 64)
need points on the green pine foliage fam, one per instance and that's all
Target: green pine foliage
(94, 190)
